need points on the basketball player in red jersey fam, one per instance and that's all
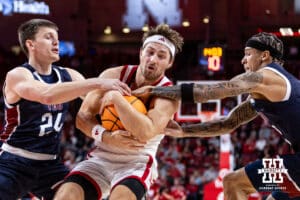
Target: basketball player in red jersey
(110, 170)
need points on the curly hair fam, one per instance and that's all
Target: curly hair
(166, 31)
(272, 41)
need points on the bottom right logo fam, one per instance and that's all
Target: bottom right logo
(273, 170)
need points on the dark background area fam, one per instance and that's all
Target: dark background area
(231, 23)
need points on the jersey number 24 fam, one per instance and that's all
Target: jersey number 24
(50, 124)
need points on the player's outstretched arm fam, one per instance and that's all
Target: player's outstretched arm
(244, 83)
(172, 92)
(241, 114)
(21, 84)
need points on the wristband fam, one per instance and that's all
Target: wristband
(97, 132)
(187, 94)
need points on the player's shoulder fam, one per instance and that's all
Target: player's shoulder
(114, 69)
(269, 72)
(19, 68)
(17, 71)
(112, 72)
(17, 75)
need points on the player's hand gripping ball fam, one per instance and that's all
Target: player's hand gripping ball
(109, 116)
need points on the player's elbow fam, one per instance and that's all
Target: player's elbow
(47, 99)
(41, 96)
(48, 95)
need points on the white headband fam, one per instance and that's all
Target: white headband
(162, 40)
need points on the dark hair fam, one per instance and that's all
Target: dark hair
(29, 29)
(170, 34)
(268, 41)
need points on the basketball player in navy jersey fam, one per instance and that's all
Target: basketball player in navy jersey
(274, 93)
(36, 95)
(126, 174)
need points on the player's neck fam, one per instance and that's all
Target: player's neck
(141, 81)
(40, 67)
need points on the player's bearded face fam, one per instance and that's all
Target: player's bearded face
(151, 72)
(154, 61)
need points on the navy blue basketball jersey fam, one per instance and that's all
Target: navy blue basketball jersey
(34, 126)
(284, 115)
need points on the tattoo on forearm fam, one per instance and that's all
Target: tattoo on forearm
(240, 115)
(173, 92)
(203, 92)
(239, 85)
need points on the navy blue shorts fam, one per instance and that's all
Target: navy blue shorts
(281, 176)
(19, 175)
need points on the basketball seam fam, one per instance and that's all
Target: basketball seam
(112, 113)
(133, 101)
(115, 121)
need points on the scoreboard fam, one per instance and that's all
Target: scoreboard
(211, 58)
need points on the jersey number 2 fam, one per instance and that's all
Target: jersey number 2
(48, 119)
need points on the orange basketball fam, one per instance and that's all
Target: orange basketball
(110, 119)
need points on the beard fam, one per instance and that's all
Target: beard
(151, 75)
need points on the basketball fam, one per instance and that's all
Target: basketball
(110, 119)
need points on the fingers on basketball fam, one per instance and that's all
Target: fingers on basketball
(110, 118)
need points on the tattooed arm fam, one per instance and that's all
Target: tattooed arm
(241, 114)
(243, 83)
(173, 92)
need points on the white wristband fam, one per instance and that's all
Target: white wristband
(97, 132)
